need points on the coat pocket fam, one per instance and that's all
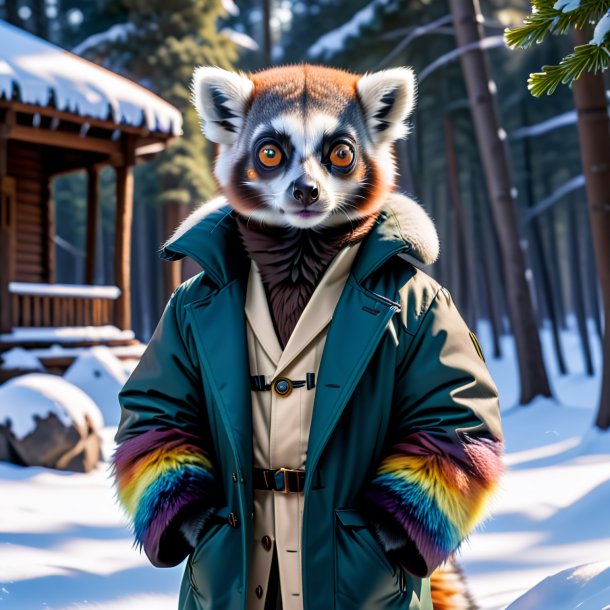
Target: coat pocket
(364, 576)
(214, 567)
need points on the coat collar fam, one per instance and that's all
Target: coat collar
(209, 236)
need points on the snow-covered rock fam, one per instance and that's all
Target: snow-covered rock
(100, 374)
(47, 421)
(586, 587)
(19, 358)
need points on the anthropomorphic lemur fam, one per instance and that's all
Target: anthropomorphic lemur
(311, 421)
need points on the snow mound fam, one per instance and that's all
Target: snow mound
(100, 374)
(28, 398)
(19, 358)
(586, 587)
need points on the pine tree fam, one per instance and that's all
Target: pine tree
(559, 17)
(161, 44)
(580, 69)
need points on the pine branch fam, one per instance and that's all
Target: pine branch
(546, 19)
(588, 57)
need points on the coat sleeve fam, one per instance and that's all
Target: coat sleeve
(444, 461)
(162, 468)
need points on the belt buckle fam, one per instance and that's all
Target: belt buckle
(281, 478)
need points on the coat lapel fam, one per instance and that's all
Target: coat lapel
(259, 316)
(220, 329)
(358, 325)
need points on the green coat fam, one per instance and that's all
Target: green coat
(404, 445)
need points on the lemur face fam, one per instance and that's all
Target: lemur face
(304, 146)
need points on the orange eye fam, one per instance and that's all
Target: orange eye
(270, 155)
(342, 155)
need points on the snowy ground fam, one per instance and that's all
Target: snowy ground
(552, 512)
(64, 544)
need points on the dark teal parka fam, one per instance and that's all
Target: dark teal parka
(405, 440)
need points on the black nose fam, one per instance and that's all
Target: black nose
(305, 191)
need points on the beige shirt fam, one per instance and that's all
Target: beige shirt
(281, 424)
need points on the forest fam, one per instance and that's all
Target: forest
(157, 44)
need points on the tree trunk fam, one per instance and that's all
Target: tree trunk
(555, 270)
(467, 22)
(41, 24)
(489, 279)
(538, 256)
(465, 254)
(593, 283)
(578, 285)
(266, 34)
(594, 137)
(11, 9)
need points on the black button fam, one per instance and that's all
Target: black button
(266, 542)
(259, 591)
(233, 520)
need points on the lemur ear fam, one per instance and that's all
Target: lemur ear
(221, 99)
(388, 98)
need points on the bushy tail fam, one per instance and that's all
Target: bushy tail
(449, 588)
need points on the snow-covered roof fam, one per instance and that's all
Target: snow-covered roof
(43, 74)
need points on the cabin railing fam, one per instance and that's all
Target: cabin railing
(37, 305)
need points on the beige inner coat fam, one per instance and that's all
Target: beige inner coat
(281, 424)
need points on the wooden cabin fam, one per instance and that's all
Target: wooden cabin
(60, 113)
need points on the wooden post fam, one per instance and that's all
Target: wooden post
(7, 238)
(93, 204)
(48, 229)
(122, 237)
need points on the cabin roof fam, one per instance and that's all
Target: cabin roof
(34, 71)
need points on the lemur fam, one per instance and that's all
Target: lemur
(306, 162)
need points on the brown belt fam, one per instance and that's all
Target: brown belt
(285, 480)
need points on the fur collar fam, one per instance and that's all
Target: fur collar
(406, 220)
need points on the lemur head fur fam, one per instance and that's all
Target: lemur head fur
(304, 146)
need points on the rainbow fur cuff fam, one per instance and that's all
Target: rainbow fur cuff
(428, 495)
(161, 477)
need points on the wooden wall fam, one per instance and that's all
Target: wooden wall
(34, 248)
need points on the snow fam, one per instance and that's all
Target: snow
(43, 73)
(241, 39)
(489, 42)
(585, 587)
(601, 30)
(19, 358)
(566, 6)
(129, 352)
(64, 290)
(551, 514)
(335, 40)
(65, 544)
(66, 333)
(573, 184)
(566, 118)
(26, 398)
(119, 32)
(101, 375)
(230, 7)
